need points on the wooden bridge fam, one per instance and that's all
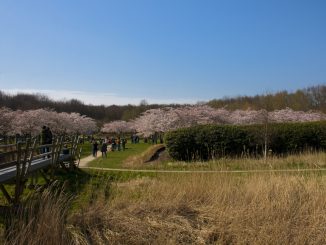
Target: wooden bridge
(20, 161)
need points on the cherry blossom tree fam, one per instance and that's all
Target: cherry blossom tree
(87, 125)
(118, 127)
(7, 117)
(168, 118)
(148, 123)
(289, 115)
(72, 123)
(31, 122)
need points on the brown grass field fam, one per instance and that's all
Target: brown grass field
(174, 208)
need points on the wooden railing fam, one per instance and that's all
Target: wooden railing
(18, 161)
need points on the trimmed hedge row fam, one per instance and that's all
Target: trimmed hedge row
(210, 141)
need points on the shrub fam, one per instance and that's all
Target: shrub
(208, 141)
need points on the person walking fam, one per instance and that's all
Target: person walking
(94, 148)
(113, 147)
(104, 149)
(118, 142)
(123, 143)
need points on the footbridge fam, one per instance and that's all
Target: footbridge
(22, 160)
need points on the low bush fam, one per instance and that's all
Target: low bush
(210, 141)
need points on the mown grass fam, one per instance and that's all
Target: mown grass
(86, 149)
(115, 159)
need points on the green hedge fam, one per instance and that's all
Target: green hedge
(207, 141)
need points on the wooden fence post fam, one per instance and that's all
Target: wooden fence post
(18, 173)
(30, 157)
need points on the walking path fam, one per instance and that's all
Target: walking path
(84, 161)
(206, 171)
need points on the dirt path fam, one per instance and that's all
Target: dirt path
(84, 161)
(205, 171)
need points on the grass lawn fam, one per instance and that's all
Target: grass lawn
(116, 158)
(86, 149)
(309, 160)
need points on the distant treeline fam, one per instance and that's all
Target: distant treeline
(312, 98)
(102, 113)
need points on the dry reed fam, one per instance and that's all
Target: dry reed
(41, 220)
(183, 209)
(210, 209)
(311, 160)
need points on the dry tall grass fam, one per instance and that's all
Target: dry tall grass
(210, 209)
(192, 209)
(313, 160)
(41, 220)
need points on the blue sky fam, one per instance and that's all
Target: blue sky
(161, 50)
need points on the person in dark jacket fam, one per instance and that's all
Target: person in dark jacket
(95, 148)
(43, 135)
(123, 143)
(49, 136)
(104, 149)
(46, 139)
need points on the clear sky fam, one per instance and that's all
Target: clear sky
(161, 50)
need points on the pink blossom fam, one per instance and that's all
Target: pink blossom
(168, 118)
(31, 122)
(117, 127)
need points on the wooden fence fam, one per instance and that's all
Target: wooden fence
(19, 161)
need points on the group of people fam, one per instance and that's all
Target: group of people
(108, 144)
(134, 138)
(154, 139)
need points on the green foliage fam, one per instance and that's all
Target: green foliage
(312, 98)
(211, 141)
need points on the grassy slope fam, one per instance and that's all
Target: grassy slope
(115, 159)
